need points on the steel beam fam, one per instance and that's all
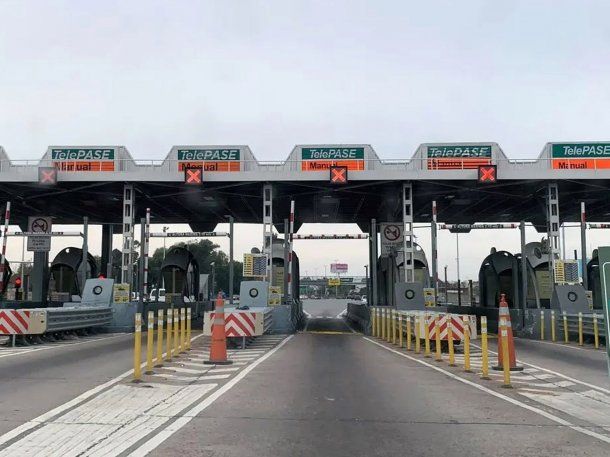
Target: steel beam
(408, 241)
(129, 198)
(85, 260)
(553, 225)
(583, 245)
(268, 229)
(434, 238)
(373, 269)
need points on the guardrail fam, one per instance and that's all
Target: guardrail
(359, 315)
(587, 324)
(37, 321)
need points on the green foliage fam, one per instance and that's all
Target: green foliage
(205, 252)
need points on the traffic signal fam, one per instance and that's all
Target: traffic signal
(18, 282)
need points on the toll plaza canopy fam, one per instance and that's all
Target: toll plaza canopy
(70, 182)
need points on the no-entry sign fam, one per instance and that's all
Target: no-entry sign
(42, 225)
(392, 237)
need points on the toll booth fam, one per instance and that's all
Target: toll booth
(180, 271)
(390, 271)
(277, 259)
(7, 276)
(539, 281)
(594, 280)
(499, 274)
(64, 271)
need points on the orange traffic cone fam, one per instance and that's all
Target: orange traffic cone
(218, 349)
(504, 319)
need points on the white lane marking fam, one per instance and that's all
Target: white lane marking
(223, 370)
(61, 408)
(172, 428)
(540, 377)
(47, 346)
(569, 378)
(112, 421)
(513, 401)
(590, 406)
(563, 345)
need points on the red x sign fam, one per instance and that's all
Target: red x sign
(47, 176)
(338, 174)
(193, 176)
(488, 174)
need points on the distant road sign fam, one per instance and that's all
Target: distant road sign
(334, 281)
(41, 225)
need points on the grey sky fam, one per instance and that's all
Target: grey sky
(151, 74)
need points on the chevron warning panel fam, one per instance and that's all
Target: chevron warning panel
(457, 327)
(239, 324)
(14, 321)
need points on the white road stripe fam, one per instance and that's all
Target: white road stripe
(513, 401)
(46, 346)
(188, 416)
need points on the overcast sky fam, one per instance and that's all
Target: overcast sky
(393, 74)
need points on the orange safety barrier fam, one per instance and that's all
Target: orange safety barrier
(504, 322)
(218, 349)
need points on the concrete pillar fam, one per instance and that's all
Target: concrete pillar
(523, 270)
(286, 262)
(106, 266)
(84, 263)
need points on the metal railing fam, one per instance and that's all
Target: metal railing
(60, 319)
(587, 324)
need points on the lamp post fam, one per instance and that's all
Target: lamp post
(213, 288)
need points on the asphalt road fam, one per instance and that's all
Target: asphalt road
(43, 377)
(324, 308)
(338, 394)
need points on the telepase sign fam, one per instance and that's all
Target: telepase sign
(217, 159)
(83, 159)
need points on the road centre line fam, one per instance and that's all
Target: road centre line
(173, 427)
(513, 401)
(578, 381)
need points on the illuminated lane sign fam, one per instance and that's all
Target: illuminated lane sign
(321, 159)
(87, 159)
(458, 157)
(582, 156)
(209, 159)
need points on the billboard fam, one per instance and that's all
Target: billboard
(338, 267)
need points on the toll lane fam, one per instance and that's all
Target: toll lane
(40, 378)
(341, 394)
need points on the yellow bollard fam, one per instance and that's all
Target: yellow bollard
(159, 361)
(417, 329)
(170, 321)
(505, 356)
(450, 340)
(400, 331)
(182, 330)
(373, 321)
(596, 331)
(542, 324)
(580, 335)
(408, 332)
(383, 326)
(437, 339)
(176, 332)
(137, 350)
(484, 353)
(188, 328)
(565, 327)
(379, 322)
(553, 326)
(388, 333)
(426, 336)
(150, 334)
(466, 344)
(393, 327)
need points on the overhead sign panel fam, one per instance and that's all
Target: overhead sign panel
(217, 159)
(84, 159)
(458, 157)
(580, 156)
(320, 159)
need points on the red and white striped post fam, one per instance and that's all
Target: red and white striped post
(146, 249)
(7, 216)
(290, 241)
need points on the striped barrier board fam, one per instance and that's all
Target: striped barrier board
(22, 321)
(457, 325)
(238, 323)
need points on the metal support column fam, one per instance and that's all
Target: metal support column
(128, 221)
(85, 260)
(268, 229)
(523, 271)
(583, 245)
(141, 266)
(408, 242)
(106, 266)
(286, 261)
(434, 237)
(552, 199)
(40, 277)
(373, 269)
(231, 261)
